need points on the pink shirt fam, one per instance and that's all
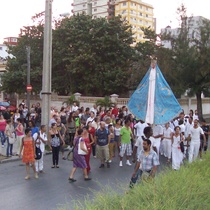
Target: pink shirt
(18, 132)
(3, 125)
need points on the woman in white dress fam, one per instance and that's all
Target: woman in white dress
(166, 142)
(177, 155)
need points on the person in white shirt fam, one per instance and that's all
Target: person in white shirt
(188, 126)
(167, 135)
(74, 107)
(139, 127)
(195, 133)
(148, 132)
(157, 134)
(40, 139)
(94, 109)
(91, 118)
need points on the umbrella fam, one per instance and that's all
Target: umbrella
(2, 108)
(12, 108)
(4, 103)
(153, 101)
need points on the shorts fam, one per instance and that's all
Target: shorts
(127, 148)
(117, 139)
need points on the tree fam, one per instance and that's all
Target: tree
(105, 102)
(190, 54)
(91, 56)
(14, 79)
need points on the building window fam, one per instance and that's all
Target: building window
(147, 8)
(140, 7)
(95, 2)
(1, 48)
(124, 11)
(147, 15)
(95, 10)
(140, 14)
(131, 11)
(84, 5)
(124, 3)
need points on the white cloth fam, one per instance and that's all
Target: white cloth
(140, 128)
(139, 143)
(89, 119)
(167, 142)
(194, 150)
(74, 108)
(94, 110)
(195, 134)
(157, 130)
(182, 128)
(39, 164)
(44, 137)
(177, 155)
(151, 97)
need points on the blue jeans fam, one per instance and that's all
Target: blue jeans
(3, 137)
(9, 147)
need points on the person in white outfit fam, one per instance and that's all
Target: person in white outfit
(177, 155)
(188, 126)
(157, 134)
(195, 133)
(166, 142)
(41, 139)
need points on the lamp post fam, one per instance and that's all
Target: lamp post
(47, 64)
(28, 50)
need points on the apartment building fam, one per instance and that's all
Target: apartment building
(99, 8)
(192, 23)
(138, 14)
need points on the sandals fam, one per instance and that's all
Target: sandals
(72, 180)
(87, 179)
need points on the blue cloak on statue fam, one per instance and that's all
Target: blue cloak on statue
(153, 101)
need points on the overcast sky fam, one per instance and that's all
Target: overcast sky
(17, 13)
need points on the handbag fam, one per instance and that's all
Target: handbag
(38, 153)
(80, 151)
(181, 145)
(13, 139)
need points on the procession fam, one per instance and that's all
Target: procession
(139, 132)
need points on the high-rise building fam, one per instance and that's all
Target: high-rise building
(99, 8)
(138, 14)
(193, 25)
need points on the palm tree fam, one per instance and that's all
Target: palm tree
(105, 102)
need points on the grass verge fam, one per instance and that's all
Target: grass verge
(188, 188)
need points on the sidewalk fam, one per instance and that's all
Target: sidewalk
(3, 151)
(5, 159)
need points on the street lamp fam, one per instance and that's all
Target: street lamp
(47, 64)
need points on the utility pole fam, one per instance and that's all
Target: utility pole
(47, 64)
(89, 7)
(28, 50)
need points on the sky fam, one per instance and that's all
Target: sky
(15, 14)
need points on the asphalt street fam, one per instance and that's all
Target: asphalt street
(52, 190)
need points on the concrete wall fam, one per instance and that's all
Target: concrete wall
(57, 101)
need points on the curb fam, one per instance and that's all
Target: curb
(16, 158)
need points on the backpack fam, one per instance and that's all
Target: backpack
(38, 151)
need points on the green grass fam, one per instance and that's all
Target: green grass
(186, 189)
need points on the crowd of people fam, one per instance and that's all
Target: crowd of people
(104, 134)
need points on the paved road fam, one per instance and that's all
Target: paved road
(52, 189)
